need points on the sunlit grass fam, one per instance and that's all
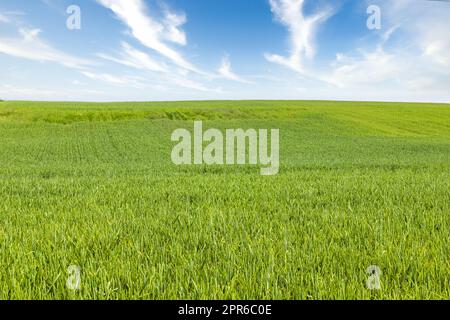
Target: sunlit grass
(93, 185)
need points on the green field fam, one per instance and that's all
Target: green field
(93, 185)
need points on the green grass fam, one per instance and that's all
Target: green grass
(93, 185)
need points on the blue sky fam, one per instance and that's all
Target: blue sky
(225, 49)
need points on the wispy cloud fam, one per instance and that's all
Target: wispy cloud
(9, 16)
(435, 42)
(156, 33)
(226, 71)
(160, 83)
(114, 80)
(134, 58)
(191, 84)
(172, 23)
(425, 24)
(419, 62)
(151, 32)
(14, 92)
(302, 30)
(367, 69)
(4, 18)
(403, 60)
(30, 46)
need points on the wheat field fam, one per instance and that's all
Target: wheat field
(93, 185)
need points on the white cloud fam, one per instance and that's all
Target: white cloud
(30, 34)
(172, 22)
(31, 47)
(367, 69)
(111, 79)
(141, 83)
(302, 31)
(226, 71)
(134, 58)
(425, 24)
(419, 62)
(150, 32)
(15, 92)
(19, 92)
(408, 59)
(156, 33)
(435, 42)
(190, 84)
(4, 18)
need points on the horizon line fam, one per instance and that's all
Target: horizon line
(225, 100)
